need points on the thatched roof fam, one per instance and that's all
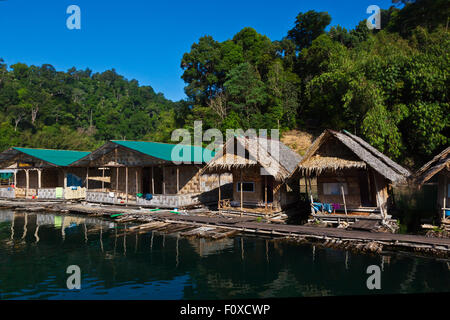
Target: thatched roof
(275, 157)
(358, 154)
(438, 163)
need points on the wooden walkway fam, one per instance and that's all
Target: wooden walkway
(241, 224)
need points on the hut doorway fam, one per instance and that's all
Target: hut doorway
(155, 185)
(364, 188)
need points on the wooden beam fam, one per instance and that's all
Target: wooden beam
(343, 198)
(164, 179)
(27, 177)
(242, 195)
(444, 203)
(265, 192)
(220, 194)
(117, 179)
(39, 178)
(103, 180)
(126, 183)
(178, 179)
(153, 182)
(87, 178)
(137, 185)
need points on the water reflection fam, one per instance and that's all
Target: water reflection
(35, 250)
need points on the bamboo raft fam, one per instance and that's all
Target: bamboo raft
(216, 227)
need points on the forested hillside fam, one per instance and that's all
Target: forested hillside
(389, 86)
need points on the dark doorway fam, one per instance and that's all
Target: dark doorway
(147, 180)
(364, 188)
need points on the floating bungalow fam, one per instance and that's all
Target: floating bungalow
(437, 171)
(353, 178)
(41, 174)
(260, 168)
(152, 174)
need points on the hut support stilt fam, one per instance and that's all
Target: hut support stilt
(345, 204)
(27, 176)
(39, 178)
(444, 202)
(153, 182)
(220, 195)
(242, 195)
(126, 183)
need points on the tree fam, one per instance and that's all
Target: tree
(308, 26)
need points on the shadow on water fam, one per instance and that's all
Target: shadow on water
(36, 249)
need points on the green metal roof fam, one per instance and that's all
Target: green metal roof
(61, 158)
(169, 152)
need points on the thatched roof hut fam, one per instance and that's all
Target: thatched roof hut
(361, 156)
(275, 157)
(260, 168)
(436, 165)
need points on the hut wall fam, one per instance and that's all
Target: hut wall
(22, 180)
(50, 178)
(251, 174)
(132, 188)
(350, 177)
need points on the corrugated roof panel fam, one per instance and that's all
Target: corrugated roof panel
(169, 152)
(57, 157)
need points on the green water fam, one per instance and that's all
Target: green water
(36, 249)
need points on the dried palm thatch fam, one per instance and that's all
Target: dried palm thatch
(438, 163)
(316, 164)
(363, 156)
(275, 157)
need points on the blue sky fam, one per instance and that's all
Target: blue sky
(145, 40)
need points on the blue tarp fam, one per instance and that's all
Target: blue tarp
(322, 207)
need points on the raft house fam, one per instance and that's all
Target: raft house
(41, 174)
(260, 168)
(354, 180)
(437, 171)
(151, 174)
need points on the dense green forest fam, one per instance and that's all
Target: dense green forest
(389, 86)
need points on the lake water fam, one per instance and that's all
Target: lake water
(36, 249)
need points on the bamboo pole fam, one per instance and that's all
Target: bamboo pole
(39, 178)
(153, 182)
(242, 195)
(220, 195)
(445, 197)
(164, 180)
(27, 177)
(265, 193)
(137, 186)
(117, 179)
(103, 180)
(126, 183)
(178, 179)
(87, 178)
(343, 198)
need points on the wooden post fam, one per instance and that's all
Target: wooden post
(178, 179)
(153, 182)
(137, 184)
(117, 179)
(445, 197)
(343, 198)
(126, 183)
(27, 177)
(164, 180)
(87, 178)
(265, 192)
(65, 179)
(15, 178)
(378, 197)
(242, 195)
(39, 178)
(103, 180)
(220, 195)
